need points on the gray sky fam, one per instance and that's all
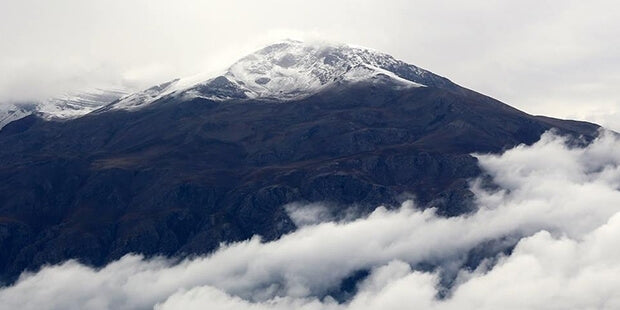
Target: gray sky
(560, 58)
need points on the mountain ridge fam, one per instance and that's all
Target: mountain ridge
(289, 70)
(63, 107)
(181, 175)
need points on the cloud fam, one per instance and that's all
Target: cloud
(561, 205)
(607, 118)
(543, 272)
(308, 214)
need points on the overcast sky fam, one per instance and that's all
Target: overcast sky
(560, 58)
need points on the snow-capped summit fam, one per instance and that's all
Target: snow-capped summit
(63, 107)
(291, 70)
(283, 71)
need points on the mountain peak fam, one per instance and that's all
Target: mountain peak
(283, 71)
(292, 69)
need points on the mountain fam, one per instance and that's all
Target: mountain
(65, 107)
(183, 166)
(290, 70)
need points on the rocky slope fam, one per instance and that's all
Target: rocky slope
(177, 169)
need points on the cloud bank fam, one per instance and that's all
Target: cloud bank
(558, 206)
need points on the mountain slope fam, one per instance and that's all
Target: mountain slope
(181, 171)
(65, 107)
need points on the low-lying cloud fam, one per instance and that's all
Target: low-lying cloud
(559, 205)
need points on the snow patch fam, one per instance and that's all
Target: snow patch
(64, 107)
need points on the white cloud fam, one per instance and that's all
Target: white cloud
(607, 118)
(543, 272)
(563, 203)
(308, 214)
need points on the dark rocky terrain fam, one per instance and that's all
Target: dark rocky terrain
(179, 177)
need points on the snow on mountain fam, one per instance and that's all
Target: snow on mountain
(68, 106)
(78, 104)
(282, 71)
(290, 70)
(293, 69)
(13, 112)
(135, 100)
